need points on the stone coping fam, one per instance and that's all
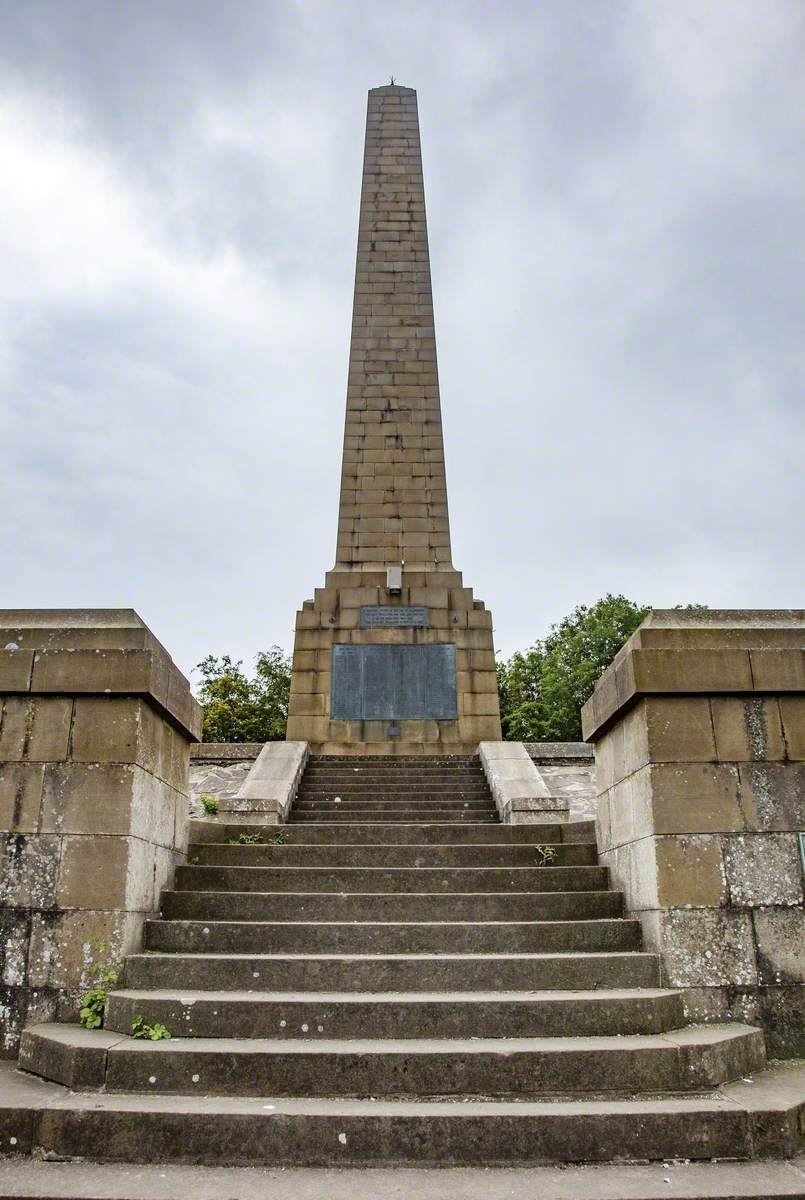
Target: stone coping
(720, 651)
(226, 751)
(69, 652)
(560, 750)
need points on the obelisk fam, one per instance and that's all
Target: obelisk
(393, 655)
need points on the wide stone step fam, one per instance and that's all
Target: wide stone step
(392, 789)
(379, 833)
(680, 1180)
(391, 879)
(352, 776)
(394, 803)
(222, 854)
(678, 1061)
(401, 815)
(391, 906)
(188, 1012)
(366, 761)
(392, 973)
(761, 1119)
(468, 937)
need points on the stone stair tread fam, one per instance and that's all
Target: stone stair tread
(36, 1180)
(481, 956)
(192, 995)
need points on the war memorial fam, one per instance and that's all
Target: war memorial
(403, 941)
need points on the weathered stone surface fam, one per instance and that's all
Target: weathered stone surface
(701, 800)
(393, 504)
(93, 799)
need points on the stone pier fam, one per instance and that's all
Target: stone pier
(394, 655)
(699, 732)
(95, 728)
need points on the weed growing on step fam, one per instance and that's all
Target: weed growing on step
(93, 1005)
(545, 854)
(279, 838)
(149, 1033)
(192, 860)
(245, 839)
(210, 805)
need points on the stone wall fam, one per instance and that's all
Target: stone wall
(568, 770)
(95, 726)
(219, 769)
(699, 732)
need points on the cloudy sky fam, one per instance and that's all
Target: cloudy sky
(615, 202)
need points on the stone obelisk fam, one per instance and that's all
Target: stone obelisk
(393, 655)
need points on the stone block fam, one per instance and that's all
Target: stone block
(93, 872)
(68, 949)
(679, 729)
(747, 729)
(778, 670)
(15, 670)
(690, 797)
(20, 796)
(28, 871)
(792, 711)
(773, 795)
(780, 937)
(705, 947)
(763, 869)
(690, 871)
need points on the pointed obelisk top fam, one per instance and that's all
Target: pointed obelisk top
(393, 507)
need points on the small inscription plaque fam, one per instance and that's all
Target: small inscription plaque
(393, 683)
(388, 615)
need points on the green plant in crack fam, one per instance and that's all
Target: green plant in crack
(245, 839)
(149, 1033)
(210, 805)
(93, 1004)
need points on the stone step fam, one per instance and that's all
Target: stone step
(682, 1060)
(221, 854)
(678, 1180)
(391, 879)
(756, 1120)
(354, 777)
(381, 833)
(188, 1012)
(401, 815)
(469, 937)
(410, 787)
(395, 798)
(385, 972)
(444, 762)
(391, 906)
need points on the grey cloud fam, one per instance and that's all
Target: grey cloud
(617, 236)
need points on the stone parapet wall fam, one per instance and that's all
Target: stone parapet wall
(95, 726)
(568, 769)
(699, 732)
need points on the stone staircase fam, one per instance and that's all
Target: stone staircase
(394, 977)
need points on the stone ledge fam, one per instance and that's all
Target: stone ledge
(271, 785)
(722, 652)
(103, 652)
(559, 750)
(225, 751)
(519, 790)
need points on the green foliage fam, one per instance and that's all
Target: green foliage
(93, 1005)
(209, 804)
(242, 709)
(150, 1033)
(245, 839)
(545, 854)
(542, 689)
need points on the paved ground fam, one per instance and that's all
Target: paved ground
(65, 1181)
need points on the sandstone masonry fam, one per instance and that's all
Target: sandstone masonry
(393, 505)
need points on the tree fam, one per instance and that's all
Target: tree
(240, 709)
(542, 689)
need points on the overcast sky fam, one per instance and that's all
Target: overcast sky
(617, 226)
